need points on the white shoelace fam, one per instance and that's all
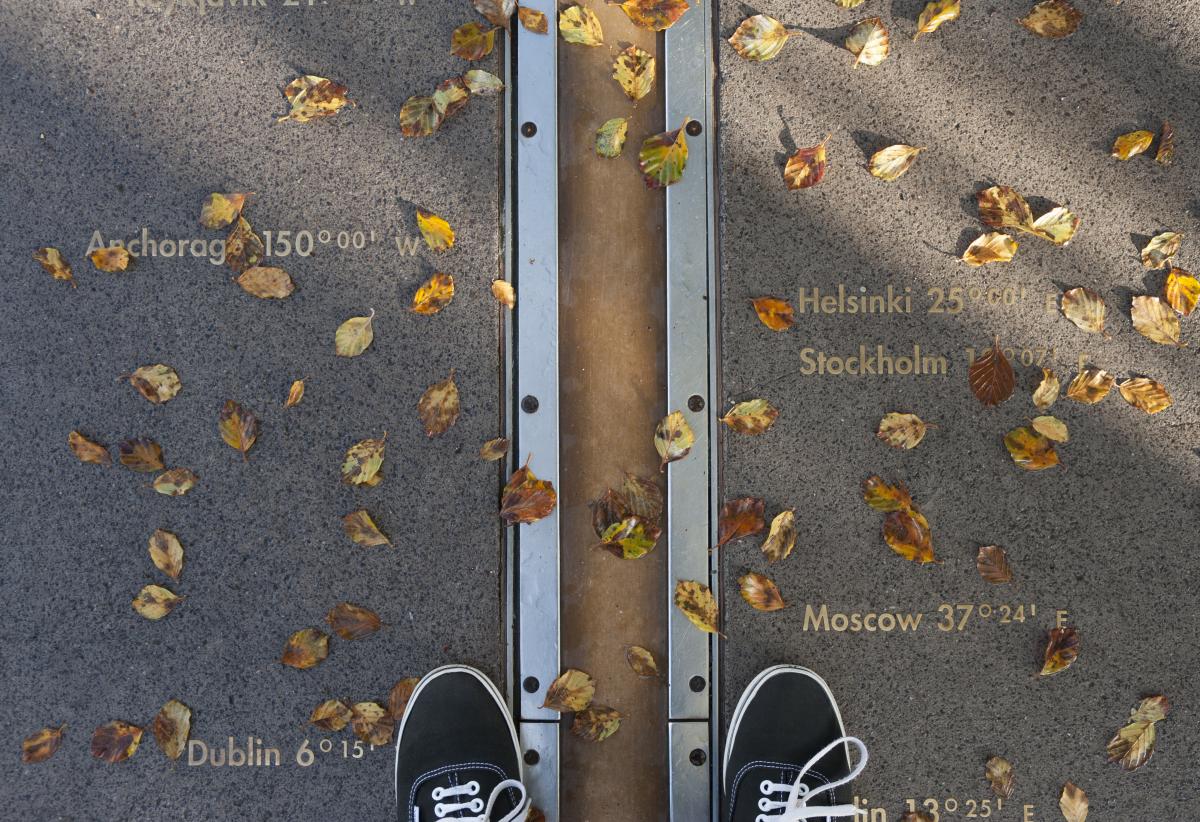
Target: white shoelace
(795, 807)
(442, 810)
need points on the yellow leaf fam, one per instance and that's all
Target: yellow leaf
(1058, 225)
(450, 96)
(166, 553)
(1181, 291)
(782, 537)
(1046, 392)
(1030, 450)
(331, 715)
(907, 533)
(697, 603)
(1166, 145)
(88, 450)
(1145, 394)
(434, 295)
(419, 117)
(532, 20)
(363, 461)
(1133, 745)
(155, 602)
(438, 406)
(372, 723)
(774, 313)
(655, 15)
(849, 4)
(312, 98)
(40, 746)
(111, 259)
(760, 592)
(157, 383)
(1132, 144)
(1154, 320)
(751, 416)
(869, 42)
(901, 430)
(596, 723)
(580, 25)
(759, 38)
(663, 157)
(175, 483)
(806, 166)
(56, 266)
(1004, 207)
(438, 234)
(1051, 428)
(305, 648)
(1073, 803)
(526, 498)
(1085, 308)
(610, 137)
(350, 621)
(992, 564)
(1161, 248)
(354, 335)
(993, 247)
(999, 774)
(935, 13)
(115, 741)
(266, 282)
(141, 454)
(295, 394)
(494, 449)
(631, 538)
(471, 41)
(479, 81)
(573, 690)
(1090, 385)
(890, 163)
(219, 210)
(359, 526)
(1052, 18)
(673, 438)
(1062, 649)
(884, 497)
(243, 248)
(634, 71)
(503, 291)
(641, 661)
(238, 427)
(497, 12)
(171, 728)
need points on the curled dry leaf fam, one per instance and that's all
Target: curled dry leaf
(634, 72)
(1062, 649)
(176, 482)
(399, 696)
(372, 723)
(1050, 427)
(1085, 308)
(1047, 389)
(1166, 145)
(266, 282)
(238, 427)
(751, 416)
(471, 41)
(363, 461)
(1090, 385)
(673, 438)
(907, 533)
(350, 621)
(902, 430)
(1058, 225)
(497, 12)
(480, 82)
(243, 248)
(112, 259)
(759, 38)
(171, 728)
(494, 449)
(157, 383)
(596, 723)
(313, 98)
(52, 260)
(219, 210)
(503, 291)
(999, 773)
(40, 746)
(155, 602)
(331, 715)
(305, 648)
(935, 13)
(359, 526)
(1133, 745)
(532, 20)
(869, 41)
(993, 247)
(663, 157)
(761, 592)
(166, 552)
(884, 497)
(141, 454)
(1073, 803)
(992, 564)
(1145, 394)
(1004, 207)
(774, 313)
(1132, 144)
(1161, 248)
(806, 167)
(450, 96)
(1053, 19)
(641, 661)
(295, 394)
(742, 517)
(580, 25)
(655, 15)
(438, 407)
(1155, 320)
(890, 163)
(1029, 449)
(87, 450)
(437, 233)
(526, 498)
(991, 376)
(419, 117)
(610, 137)
(697, 603)
(571, 691)
(1181, 291)
(781, 539)
(116, 741)
(354, 335)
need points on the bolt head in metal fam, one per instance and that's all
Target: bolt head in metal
(531, 684)
(528, 129)
(697, 684)
(697, 757)
(529, 404)
(696, 403)
(694, 128)
(532, 757)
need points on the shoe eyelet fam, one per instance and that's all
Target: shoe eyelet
(439, 810)
(476, 805)
(438, 793)
(472, 788)
(762, 804)
(764, 786)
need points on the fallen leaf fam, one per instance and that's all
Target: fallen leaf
(760, 592)
(115, 741)
(781, 539)
(171, 728)
(631, 538)
(849, 4)
(331, 715)
(673, 438)
(1058, 225)
(155, 602)
(610, 137)
(751, 416)
(419, 117)
(1073, 803)
(890, 163)
(902, 430)
(741, 517)
(999, 773)
(111, 259)
(176, 482)
(40, 746)
(438, 234)
(869, 42)
(580, 25)
(471, 41)
(774, 313)
(991, 376)
(266, 282)
(313, 98)
(916, 816)
(494, 449)
(497, 12)
(907, 533)
(52, 260)
(350, 621)
(634, 72)
(1030, 450)
(450, 96)
(1133, 745)
(571, 691)
(1090, 385)
(87, 450)
(238, 427)
(935, 13)
(359, 526)
(372, 723)
(399, 696)
(141, 454)
(438, 407)
(610, 509)
(295, 394)
(1051, 428)
(532, 20)
(166, 552)
(434, 295)
(696, 602)
(1052, 18)
(655, 15)
(1062, 649)
(884, 497)
(305, 648)
(992, 564)
(1085, 308)
(1145, 394)
(219, 210)
(806, 167)
(642, 497)
(1155, 320)
(1166, 145)
(243, 248)
(157, 383)
(596, 723)
(759, 38)
(1161, 248)
(641, 661)
(363, 461)
(482, 83)
(1132, 144)
(663, 157)
(354, 335)
(1181, 291)
(1004, 207)
(1046, 392)
(993, 247)
(526, 498)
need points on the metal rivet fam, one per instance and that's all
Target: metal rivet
(532, 757)
(531, 684)
(529, 404)
(696, 683)
(697, 757)
(696, 402)
(528, 129)
(694, 127)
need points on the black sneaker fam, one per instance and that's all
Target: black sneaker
(787, 756)
(457, 753)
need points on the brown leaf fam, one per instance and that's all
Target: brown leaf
(359, 526)
(266, 282)
(1062, 649)
(1145, 394)
(1154, 320)
(115, 741)
(305, 648)
(157, 383)
(166, 553)
(438, 406)
(596, 723)
(419, 117)
(295, 394)
(1047, 390)
(782, 537)
(1030, 450)
(497, 12)
(434, 295)
(526, 498)
(610, 509)
(1133, 744)
(155, 602)
(243, 248)
(331, 715)
(1181, 291)
(1166, 145)
(40, 746)
(999, 773)
(571, 691)
(1085, 308)
(52, 260)
(916, 816)
(111, 259)
(176, 482)
(903, 431)
(171, 728)
(399, 696)
(88, 450)
(1161, 248)
(238, 427)
(532, 20)
(1004, 207)
(992, 564)
(761, 592)
(883, 497)
(991, 376)
(351, 621)
(643, 497)
(742, 517)
(494, 449)
(363, 460)
(1090, 385)
(907, 533)
(1073, 803)
(775, 314)
(313, 98)
(641, 661)
(697, 603)
(1053, 19)
(993, 247)
(751, 416)
(141, 454)
(372, 723)
(806, 167)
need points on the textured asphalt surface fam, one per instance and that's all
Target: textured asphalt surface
(1110, 535)
(119, 118)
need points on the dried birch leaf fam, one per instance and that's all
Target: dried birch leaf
(580, 25)
(354, 335)
(1073, 803)
(869, 42)
(141, 454)
(532, 20)
(751, 416)
(759, 38)
(112, 260)
(1132, 144)
(503, 291)
(1058, 225)
(1154, 320)
(1030, 450)
(1004, 207)
(372, 723)
(155, 602)
(696, 602)
(243, 248)
(848, 4)
(1145, 394)
(450, 96)
(157, 383)
(1161, 248)
(295, 394)
(999, 773)
(774, 313)
(1181, 291)
(907, 533)
(634, 72)
(471, 41)
(673, 438)
(419, 117)
(992, 564)
(1062, 649)
(399, 696)
(760, 592)
(219, 210)
(1133, 745)
(238, 427)
(663, 157)
(643, 497)
(610, 137)
(782, 537)
(52, 260)
(884, 497)
(497, 12)
(363, 461)
(266, 282)
(482, 83)
(916, 816)
(1085, 308)
(1166, 145)
(935, 13)
(350, 621)
(1053, 19)
(437, 233)
(87, 450)
(526, 498)
(40, 746)
(115, 741)
(902, 430)
(993, 247)
(166, 552)
(1090, 385)
(1051, 428)
(171, 728)
(434, 295)
(1046, 392)
(631, 538)
(641, 661)
(176, 482)
(991, 376)
(313, 98)
(742, 517)
(806, 167)
(359, 526)
(597, 723)
(305, 648)
(494, 449)
(573, 690)
(890, 163)
(438, 407)
(655, 15)
(331, 715)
